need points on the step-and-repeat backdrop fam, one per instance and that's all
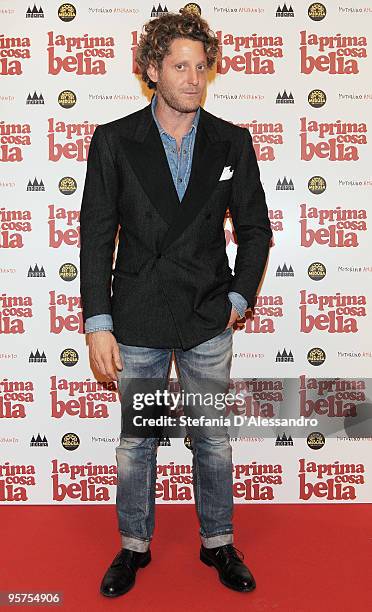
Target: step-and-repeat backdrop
(298, 76)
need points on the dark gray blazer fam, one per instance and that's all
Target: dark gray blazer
(171, 277)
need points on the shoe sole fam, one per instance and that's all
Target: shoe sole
(229, 586)
(143, 564)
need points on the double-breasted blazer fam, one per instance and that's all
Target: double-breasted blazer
(166, 281)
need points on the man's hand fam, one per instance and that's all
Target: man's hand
(104, 353)
(234, 315)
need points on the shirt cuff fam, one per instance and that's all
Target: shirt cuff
(239, 302)
(101, 322)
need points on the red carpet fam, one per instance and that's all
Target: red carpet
(304, 558)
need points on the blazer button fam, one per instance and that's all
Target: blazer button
(208, 216)
(158, 255)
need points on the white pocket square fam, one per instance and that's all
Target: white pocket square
(226, 173)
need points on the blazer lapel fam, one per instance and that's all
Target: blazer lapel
(145, 152)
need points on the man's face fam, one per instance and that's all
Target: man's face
(182, 78)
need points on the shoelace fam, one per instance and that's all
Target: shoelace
(231, 552)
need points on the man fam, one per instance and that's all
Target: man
(167, 174)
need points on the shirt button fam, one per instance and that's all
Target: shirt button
(184, 150)
(180, 180)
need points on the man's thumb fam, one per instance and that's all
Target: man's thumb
(117, 358)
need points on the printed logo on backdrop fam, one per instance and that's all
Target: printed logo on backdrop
(70, 441)
(317, 185)
(267, 311)
(284, 356)
(37, 357)
(69, 357)
(35, 99)
(276, 221)
(65, 315)
(317, 11)
(159, 11)
(64, 228)
(84, 399)
(67, 98)
(191, 7)
(174, 482)
(35, 185)
(337, 141)
(68, 271)
(333, 481)
(187, 442)
(15, 312)
(284, 98)
(339, 54)
(284, 270)
(88, 55)
(15, 397)
(317, 98)
(284, 440)
(316, 356)
(77, 135)
(164, 441)
(248, 439)
(67, 185)
(66, 12)
(285, 185)
(333, 227)
(338, 313)
(39, 441)
(36, 272)
(34, 13)
(262, 56)
(258, 398)
(13, 50)
(316, 271)
(86, 482)
(257, 481)
(15, 480)
(330, 398)
(13, 136)
(315, 440)
(285, 12)
(264, 136)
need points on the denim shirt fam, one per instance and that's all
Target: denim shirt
(180, 166)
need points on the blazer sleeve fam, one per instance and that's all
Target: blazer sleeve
(249, 214)
(99, 220)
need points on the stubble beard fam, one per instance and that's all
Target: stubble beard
(173, 101)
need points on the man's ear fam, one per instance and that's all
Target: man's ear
(152, 72)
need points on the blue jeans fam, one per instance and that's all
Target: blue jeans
(212, 454)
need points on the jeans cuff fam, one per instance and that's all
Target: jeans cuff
(135, 544)
(217, 540)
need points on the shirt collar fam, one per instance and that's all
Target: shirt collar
(154, 101)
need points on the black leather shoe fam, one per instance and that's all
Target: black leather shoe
(231, 569)
(121, 575)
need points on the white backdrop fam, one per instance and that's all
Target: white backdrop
(301, 83)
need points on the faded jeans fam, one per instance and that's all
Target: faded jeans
(212, 454)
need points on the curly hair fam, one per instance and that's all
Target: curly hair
(160, 32)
